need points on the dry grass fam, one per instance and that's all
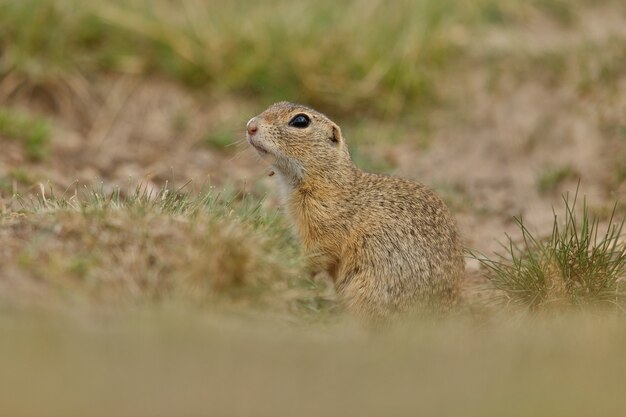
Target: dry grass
(147, 249)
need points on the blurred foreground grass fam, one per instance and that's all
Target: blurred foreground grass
(171, 363)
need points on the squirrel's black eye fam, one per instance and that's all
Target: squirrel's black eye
(300, 121)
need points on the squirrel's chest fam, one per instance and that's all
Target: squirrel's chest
(318, 224)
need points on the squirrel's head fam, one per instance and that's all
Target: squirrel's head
(298, 140)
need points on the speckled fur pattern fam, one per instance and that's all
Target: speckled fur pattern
(390, 244)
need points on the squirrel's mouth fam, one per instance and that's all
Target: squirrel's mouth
(258, 147)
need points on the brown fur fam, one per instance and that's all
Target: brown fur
(390, 244)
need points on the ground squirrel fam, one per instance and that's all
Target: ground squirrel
(389, 243)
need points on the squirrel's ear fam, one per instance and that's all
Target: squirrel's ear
(335, 134)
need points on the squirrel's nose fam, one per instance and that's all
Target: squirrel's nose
(253, 126)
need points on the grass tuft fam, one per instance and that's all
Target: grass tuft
(151, 246)
(581, 264)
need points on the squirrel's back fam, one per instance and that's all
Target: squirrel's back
(406, 231)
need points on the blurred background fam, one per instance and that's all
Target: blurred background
(502, 106)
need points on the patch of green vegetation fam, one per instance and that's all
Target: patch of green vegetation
(620, 168)
(493, 14)
(219, 139)
(579, 265)
(6, 186)
(81, 265)
(455, 196)
(34, 132)
(368, 161)
(552, 177)
(14, 178)
(21, 175)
